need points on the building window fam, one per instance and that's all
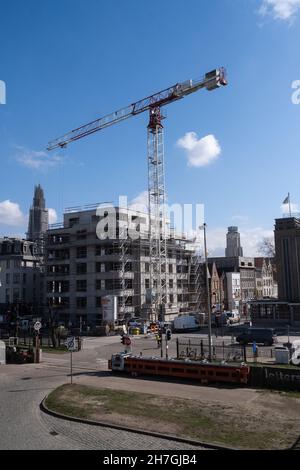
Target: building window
(98, 250)
(98, 302)
(81, 268)
(81, 302)
(98, 284)
(171, 283)
(16, 278)
(128, 267)
(128, 284)
(98, 267)
(7, 278)
(81, 235)
(147, 283)
(146, 252)
(16, 295)
(113, 284)
(170, 268)
(147, 267)
(81, 285)
(81, 252)
(74, 221)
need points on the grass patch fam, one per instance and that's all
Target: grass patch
(283, 393)
(214, 423)
(58, 350)
(276, 366)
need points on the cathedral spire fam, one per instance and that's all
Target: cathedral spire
(38, 217)
(39, 199)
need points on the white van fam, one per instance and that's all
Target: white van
(185, 323)
(233, 317)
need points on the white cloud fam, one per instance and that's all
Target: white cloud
(11, 214)
(37, 160)
(199, 152)
(52, 216)
(280, 9)
(140, 202)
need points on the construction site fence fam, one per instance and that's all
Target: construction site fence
(199, 350)
(28, 342)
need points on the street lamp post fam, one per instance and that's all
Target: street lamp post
(208, 296)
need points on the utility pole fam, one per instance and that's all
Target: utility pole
(208, 295)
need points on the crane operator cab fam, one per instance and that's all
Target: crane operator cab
(216, 78)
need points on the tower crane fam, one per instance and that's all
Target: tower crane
(156, 175)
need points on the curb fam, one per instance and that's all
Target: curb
(105, 424)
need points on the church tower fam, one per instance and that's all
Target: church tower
(38, 218)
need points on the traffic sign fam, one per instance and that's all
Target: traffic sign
(37, 326)
(71, 343)
(127, 341)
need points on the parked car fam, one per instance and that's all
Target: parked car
(263, 336)
(233, 317)
(219, 319)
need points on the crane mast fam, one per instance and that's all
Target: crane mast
(156, 175)
(157, 214)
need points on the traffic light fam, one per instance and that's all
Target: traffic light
(123, 340)
(168, 334)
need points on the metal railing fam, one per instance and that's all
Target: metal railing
(199, 350)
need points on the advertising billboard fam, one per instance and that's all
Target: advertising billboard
(109, 308)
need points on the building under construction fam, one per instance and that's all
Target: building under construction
(124, 274)
(84, 268)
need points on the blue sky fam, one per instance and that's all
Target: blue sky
(66, 62)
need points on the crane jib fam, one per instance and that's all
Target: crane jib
(211, 81)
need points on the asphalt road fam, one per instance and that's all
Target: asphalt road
(24, 426)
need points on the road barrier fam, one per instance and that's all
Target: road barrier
(278, 378)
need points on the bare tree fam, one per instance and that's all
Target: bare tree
(267, 247)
